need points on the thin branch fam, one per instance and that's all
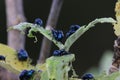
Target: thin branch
(7, 75)
(51, 23)
(15, 15)
(116, 58)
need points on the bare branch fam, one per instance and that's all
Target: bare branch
(6, 75)
(15, 15)
(116, 58)
(51, 23)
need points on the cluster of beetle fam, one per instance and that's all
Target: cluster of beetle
(57, 35)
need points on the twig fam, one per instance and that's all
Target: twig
(6, 75)
(15, 15)
(116, 58)
(51, 23)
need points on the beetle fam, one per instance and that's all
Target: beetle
(58, 34)
(57, 53)
(88, 76)
(69, 33)
(22, 75)
(60, 52)
(73, 28)
(22, 55)
(2, 58)
(38, 21)
(30, 73)
(26, 74)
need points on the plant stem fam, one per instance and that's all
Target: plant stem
(7, 75)
(51, 23)
(15, 15)
(116, 58)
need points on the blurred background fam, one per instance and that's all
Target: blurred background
(88, 48)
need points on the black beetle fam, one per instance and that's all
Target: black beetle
(88, 76)
(58, 34)
(2, 57)
(26, 74)
(73, 28)
(60, 52)
(22, 55)
(38, 21)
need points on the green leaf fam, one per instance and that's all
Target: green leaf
(9, 67)
(57, 68)
(22, 26)
(36, 28)
(71, 39)
(44, 76)
(11, 59)
(48, 33)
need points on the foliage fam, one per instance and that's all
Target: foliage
(11, 60)
(56, 67)
(48, 34)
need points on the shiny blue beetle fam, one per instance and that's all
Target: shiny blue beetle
(2, 58)
(38, 21)
(60, 52)
(73, 28)
(58, 35)
(88, 76)
(26, 74)
(22, 55)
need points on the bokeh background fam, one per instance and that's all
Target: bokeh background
(88, 48)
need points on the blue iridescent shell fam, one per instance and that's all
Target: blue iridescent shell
(58, 35)
(38, 21)
(2, 57)
(59, 52)
(88, 76)
(73, 28)
(26, 74)
(70, 32)
(30, 73)
(22, 55)
(22, 75)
